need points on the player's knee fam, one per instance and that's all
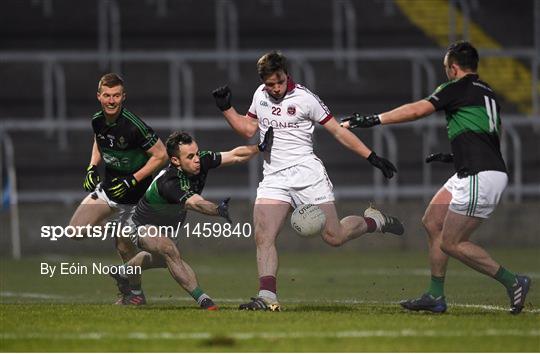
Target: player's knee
(432, 226)
(126, 249)
(263, 240)
(449, 248)
(168, 249)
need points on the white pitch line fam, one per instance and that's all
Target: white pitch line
(491, 332)
(393, 271)
(240, 300)
(32, 295)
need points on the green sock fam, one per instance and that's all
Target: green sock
(436, 286)
(505, 277)
(197, 293)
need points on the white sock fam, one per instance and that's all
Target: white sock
(202, 297)
(268, 295)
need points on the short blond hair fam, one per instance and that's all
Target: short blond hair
(110, 80)
(271, 63)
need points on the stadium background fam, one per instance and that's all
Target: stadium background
(365, 56)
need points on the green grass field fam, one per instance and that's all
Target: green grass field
(333, 301)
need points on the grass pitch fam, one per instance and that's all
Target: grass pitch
(332, 301)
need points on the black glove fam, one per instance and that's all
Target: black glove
(358, 120)
(267, 141)
(92, 178)
(382, 164)
(440, 157)
(223, 95)
(120, 186)
(223, 209)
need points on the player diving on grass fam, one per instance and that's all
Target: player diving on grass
(131, 152)
(293, 175)
(473, 192)
(176, 190)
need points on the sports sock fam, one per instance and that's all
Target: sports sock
(436, 286)
(267, 287)
(371, 224)
(136, 289)
(505, 277)
(199, 295)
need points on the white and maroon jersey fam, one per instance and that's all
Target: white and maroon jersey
(293, 119)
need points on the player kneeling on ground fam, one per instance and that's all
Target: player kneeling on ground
(174, 191)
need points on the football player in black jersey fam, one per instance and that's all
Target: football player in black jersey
(131, 153)
(472, 193)
(174, 191)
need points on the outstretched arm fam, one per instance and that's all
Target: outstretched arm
(243, 125)
(406, 113)
(347, 139)
(353, 143)
(201, 205)
(244, 153)
(238, 155)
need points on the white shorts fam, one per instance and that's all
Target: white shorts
(124, 210)
(305, 183)
(476, 195)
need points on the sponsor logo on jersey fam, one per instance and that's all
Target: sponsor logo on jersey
(263, 103)
(279, 125)
(115, 161)
(291, 110)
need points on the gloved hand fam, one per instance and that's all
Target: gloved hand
(223, 96)
(382, 164)
(92, 178)
(362, 121)
(267, 141)
(120, 186)
(440, 157)
(223, 209)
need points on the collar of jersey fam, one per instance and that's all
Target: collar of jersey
(291, 85)
(116, 120)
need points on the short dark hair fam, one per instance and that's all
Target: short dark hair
(271, 63)
(110, 80)
(463, 54)
(175, 140)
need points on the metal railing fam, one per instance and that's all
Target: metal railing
(344, 27)
(384, 141)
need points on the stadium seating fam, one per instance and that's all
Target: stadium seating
(191, 25)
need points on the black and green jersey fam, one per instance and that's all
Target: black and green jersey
(164, 201)
(473, 123)
(123, 144)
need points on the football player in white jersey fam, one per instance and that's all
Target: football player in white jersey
(293, 175)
